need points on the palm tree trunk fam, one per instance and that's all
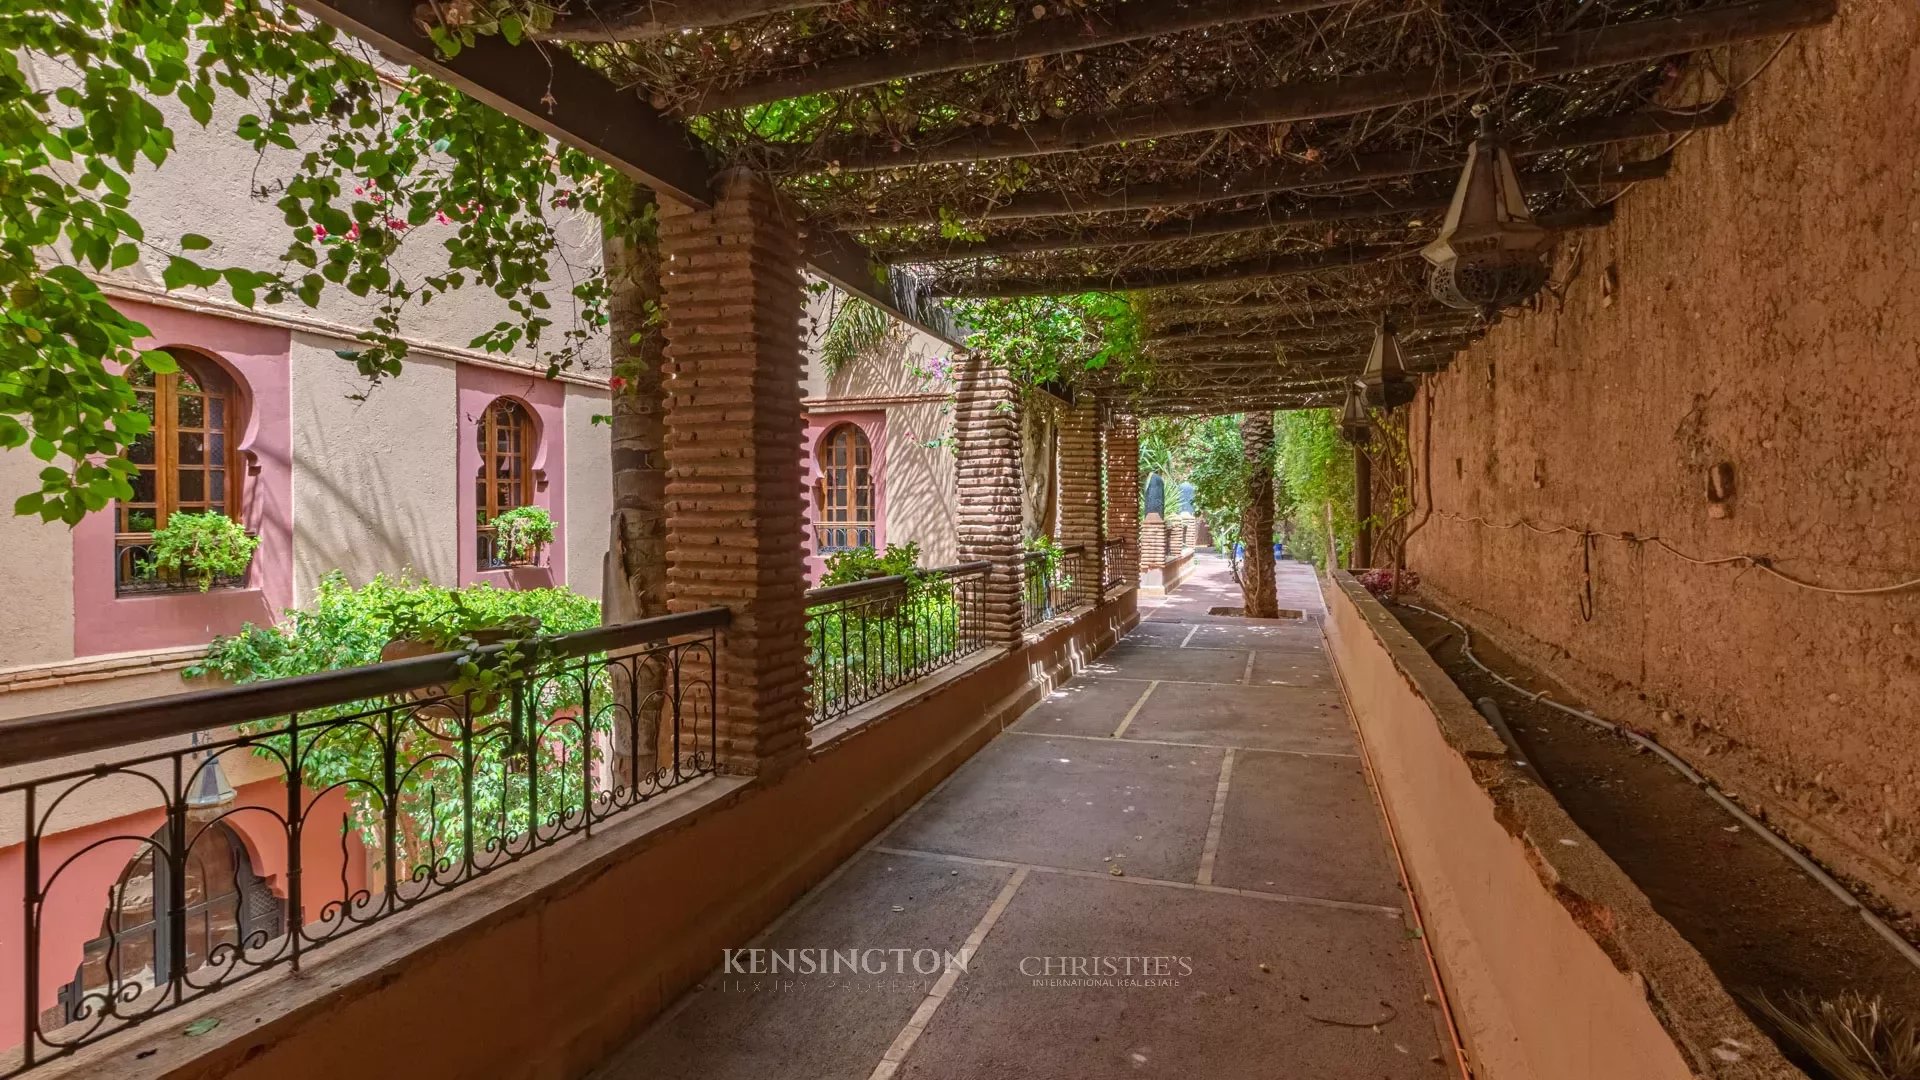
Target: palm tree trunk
(1257, 585)
(634, 576)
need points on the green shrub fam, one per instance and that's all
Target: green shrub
(199, 547)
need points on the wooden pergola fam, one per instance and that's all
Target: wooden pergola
(1260, 173)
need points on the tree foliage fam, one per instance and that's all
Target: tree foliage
(379, 162)
(1046, 338)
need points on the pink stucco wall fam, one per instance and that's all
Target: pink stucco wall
(333, 867)
(256, 358)
(545, 400)
(872, 424)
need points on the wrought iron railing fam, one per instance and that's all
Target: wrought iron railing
(833, 536)
(134, 572)
(1055, 584)
(374, 790)
(490, 553)
(1114, 553)
(869, 637)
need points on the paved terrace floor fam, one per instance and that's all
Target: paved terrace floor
(1196, 794)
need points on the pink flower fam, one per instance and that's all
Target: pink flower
(319, 232)
(354, 232)
(617, 383)
(396, 224)
(441, 217)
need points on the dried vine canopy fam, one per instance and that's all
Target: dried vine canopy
(1281, 155)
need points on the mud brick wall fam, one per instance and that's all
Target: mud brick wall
(1757, 313)
(986, 432)
(1081, 517)
(735, 525)
(1123, 495)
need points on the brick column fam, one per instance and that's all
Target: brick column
(1153, 542)
(1081, 521)
(986, 435)
(734, 430)
(1123, 494)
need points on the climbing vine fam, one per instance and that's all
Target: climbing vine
(1046, 338)
(380, 163)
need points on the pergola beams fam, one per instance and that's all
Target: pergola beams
(1074, 32)
(635, 20)
(1167, 344)
(1546, 57)
(1291, 176)
(1264, 266)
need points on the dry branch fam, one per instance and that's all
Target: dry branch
(1045, 37)
(1561, 54)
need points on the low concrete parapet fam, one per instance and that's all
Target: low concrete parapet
(1555, 964)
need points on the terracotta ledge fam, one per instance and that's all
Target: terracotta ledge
(257, 1009)
(831, 733)
(94, 668)
(1450, 860)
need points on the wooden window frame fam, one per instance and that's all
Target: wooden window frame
(843, 479)
(214, 384)
(525, 444)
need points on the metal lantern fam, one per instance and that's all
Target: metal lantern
(209, 792)
(1386, 382)
(1489, 254)
(1354, 426)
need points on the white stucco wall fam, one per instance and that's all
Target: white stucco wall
(920, 494)
(206, 187)
(589, 487)
(36, 618)
(373, 480)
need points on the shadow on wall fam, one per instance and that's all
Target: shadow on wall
(922, 501)
(1039, 451)
(373, 493)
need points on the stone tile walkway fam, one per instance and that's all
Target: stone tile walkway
(1171, 867)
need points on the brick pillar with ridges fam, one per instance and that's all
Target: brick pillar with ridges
(986, 435)
(734, 430)
(1123, 495)
(1081, 515)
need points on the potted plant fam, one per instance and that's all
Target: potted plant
(522, 534)
(200, 548)
(434, 621)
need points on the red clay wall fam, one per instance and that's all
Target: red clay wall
(1760, 307)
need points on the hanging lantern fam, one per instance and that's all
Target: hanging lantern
(209, 792)
(1355, 428)
(1386, 382)
(1489, 254)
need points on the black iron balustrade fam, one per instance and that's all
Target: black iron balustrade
(135, 574)
(424, 774)
(1113, 557)
(830, 537)
(869, 637)
(1055, 584)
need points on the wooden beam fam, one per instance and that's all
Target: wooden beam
(638, 20)
(1264, 266)
(550, 92)
(1259, 219)
(1331, 331)
(1405, 316)
(1291, 176)
(558, 96)
(1112, 25)
(1555, 55)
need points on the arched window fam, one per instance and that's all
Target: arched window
(186, 462)
(507, 443)
(225, 904)
(845, 491)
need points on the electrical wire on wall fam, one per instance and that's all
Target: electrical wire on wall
(1754, 561)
